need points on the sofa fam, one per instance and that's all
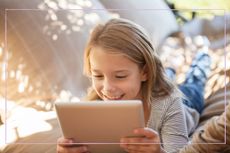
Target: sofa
(45, 43)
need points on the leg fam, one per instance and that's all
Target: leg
(192, 91)
(194, 95)
(199, 69)
(193, 87)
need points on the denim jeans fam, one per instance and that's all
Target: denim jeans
(194, 94)
(194, 91)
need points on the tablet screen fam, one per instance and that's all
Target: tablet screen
(100, 123)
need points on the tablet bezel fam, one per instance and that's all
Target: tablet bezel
(100, 122)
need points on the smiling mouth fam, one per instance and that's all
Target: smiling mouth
(113, 97)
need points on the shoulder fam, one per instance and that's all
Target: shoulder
(167, 118)
(166, 108)
(174, 99)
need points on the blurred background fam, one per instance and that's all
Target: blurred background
(42, 44)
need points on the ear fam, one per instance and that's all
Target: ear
(144, 73)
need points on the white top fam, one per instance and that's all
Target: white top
(173, 120)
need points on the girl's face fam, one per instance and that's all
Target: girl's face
(114, 76)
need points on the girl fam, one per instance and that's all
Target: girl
(123, 65)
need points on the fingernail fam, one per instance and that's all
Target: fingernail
(85, 149)
(70, 141)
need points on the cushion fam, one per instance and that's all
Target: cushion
(46, 47)
(212, 28)
(155, 16)
(45, 51)
(215, 104)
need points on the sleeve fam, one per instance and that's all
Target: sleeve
(216, 131)
(174, 134)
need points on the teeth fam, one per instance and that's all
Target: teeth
(113, 97)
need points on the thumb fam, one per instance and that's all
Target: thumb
(147, 132)
(64, 141)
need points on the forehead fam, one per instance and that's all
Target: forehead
(100, 57)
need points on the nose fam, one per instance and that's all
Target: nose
(108, 86)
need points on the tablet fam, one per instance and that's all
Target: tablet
(100, 124)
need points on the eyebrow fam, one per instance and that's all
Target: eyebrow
(118, 71)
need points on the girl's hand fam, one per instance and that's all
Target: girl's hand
(150, 143)
(69, 146)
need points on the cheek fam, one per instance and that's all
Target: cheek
(132, 87)
(96, 85)
(136, 87)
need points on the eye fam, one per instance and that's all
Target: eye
(121, 76)
(98, 76)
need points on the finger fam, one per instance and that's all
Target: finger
(78, 149)
(156, 148)
(72, 150)
(139, 141)
(140, 144)
(126, 149)
(65, 142)
(147, 132)
(136, 149)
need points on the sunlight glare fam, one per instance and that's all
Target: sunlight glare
(12, 74)
(21, 87)
(92, 17)
(88, 3)
(63, 27)
(1, 51)
(53, 17)
(80, 22)
(76, 28)
(52, 4)
(4, 72)
(18, 74)
(62, 4)
(55, 37)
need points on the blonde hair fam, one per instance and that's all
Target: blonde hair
(125, 37)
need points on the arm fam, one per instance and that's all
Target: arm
(150, 143)
(172, 133)
(213, 132)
